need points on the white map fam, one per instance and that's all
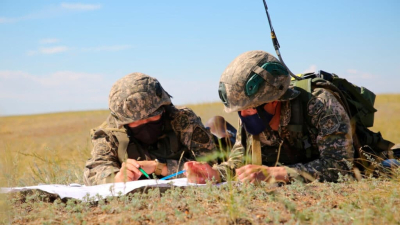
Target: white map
(82, 192)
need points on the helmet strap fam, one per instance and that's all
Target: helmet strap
(261, 75)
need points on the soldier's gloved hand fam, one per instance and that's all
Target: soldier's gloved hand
(255, 173)
(199, 173)
(131, 168)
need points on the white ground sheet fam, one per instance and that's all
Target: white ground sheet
(82, 192)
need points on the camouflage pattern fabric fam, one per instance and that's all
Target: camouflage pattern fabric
(195, 141)
(136, 96)
(333, 140)
(233, 82)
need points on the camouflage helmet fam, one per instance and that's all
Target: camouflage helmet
(252, 79)
(136, 96)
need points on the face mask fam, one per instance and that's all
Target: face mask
(148, 133)
(254, 124)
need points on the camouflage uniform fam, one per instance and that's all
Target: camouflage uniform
(320, 153)
(134, 97)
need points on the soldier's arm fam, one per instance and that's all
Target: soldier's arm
(333, 139)
(104, 163)
(193, 136)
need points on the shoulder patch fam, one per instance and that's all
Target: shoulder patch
(200, 136)
(315, 106)
(183, 121)
(329, 124)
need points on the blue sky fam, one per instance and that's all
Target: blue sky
(63, 56)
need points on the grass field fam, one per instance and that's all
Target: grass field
(53, 148)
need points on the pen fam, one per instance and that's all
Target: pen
(144, 172)
(173, 175)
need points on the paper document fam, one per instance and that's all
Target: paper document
(82, 192)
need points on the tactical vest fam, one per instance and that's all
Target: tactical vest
(297, 146)
(167, 146)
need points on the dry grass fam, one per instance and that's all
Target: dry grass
(387, 119)
(48, 140)
(52, 148)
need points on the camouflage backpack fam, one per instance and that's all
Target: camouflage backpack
(359, 104)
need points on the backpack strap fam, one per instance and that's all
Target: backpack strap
(123, 142)
(256, 158)
(299, 121)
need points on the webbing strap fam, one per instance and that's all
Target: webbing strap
(123, 142)
(267, 76)
(256, 150)
(297, 116)
(295, 128)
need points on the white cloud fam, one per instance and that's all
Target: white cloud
(51, 11)
(49, 41)
(311, 68)
(111, 48)
(368, 80)
(6, 74)
(53, 50)
(8, 20)
(48, 51)
(68, 77)
(26, 93)
(352, 71)
(59, 49)
(355, 74)
(80, 6)
(60, 78)
(37, 15)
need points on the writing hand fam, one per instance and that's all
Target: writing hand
(131, 169)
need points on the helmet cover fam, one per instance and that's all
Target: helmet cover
(136, 96)
(252, 79)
